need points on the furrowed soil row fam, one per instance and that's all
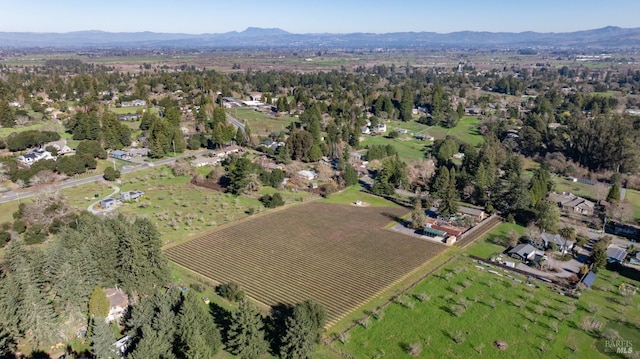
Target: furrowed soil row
(339, 255)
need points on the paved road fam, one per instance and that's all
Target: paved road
(235, 122)
(71, 182)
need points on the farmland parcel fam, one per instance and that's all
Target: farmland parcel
(339, 255)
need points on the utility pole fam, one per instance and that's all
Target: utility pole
(174, 147)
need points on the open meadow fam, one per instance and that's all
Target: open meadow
(462, 311)
(339, 255)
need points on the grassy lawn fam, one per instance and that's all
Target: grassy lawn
(353, 194)
(42, 126)
(561, 184)
(261, 124)
(466, 131)
(408, 149)
(489, 245)
(468, 309)
(633, 196)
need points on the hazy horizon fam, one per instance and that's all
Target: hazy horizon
(330, 16)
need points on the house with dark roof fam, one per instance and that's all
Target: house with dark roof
(34, 155)
(475, 213)
(571, 203)
(523, 252)
(615, 254)
(564, 245)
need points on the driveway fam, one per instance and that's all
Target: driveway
(91, 208)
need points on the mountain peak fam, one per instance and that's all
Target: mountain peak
(263, 31)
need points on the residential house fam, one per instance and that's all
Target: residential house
(365, 130)
(564, 245)
(120, 155)
(458, 156)
(130, 195)
(472, 110)
(205, 161)
(523, 252)
(571, 203)
(635, 258)
(107, 203)
(379, 128)
(307, 175)
(138, 152)
(118, 304)
(14, 104)
(615, 254)
(61, 147)
(134, 103)
(475, 213)
(129, 117)
(403, 131)
(34, 155)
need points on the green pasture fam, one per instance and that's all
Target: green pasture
(491, 243)
(465, 310)
(408, 149)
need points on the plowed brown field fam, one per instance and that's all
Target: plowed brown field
(339, 255)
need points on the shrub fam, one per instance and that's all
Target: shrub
(19, 226)
(272, 201)
(111, 174)
(35, 234)
(230, 291)
(5, 237)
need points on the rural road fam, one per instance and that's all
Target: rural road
(235, 122)
(72, 182)
(116, 189)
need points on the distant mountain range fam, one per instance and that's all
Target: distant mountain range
(606, 38)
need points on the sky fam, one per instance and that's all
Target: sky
(316, 16)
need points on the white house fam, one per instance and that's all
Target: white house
(308, 175)
(35, 155)
(365, 130)
(380, 128)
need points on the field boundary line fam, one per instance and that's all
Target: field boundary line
(238, 221)
(331, 340)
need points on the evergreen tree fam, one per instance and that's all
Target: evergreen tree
(418, 217)
(350, 176)
(304, 330)
(198, 336)
(449, 197)
(393, 174)
(98, 303)
(246, 334)
(102, 339)
(614, 192)
(406, 105)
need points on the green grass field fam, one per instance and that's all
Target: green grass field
(261, 124)
(407, 148)
(489, 244)
(467, 310)
(41, 126)
(466, 131)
